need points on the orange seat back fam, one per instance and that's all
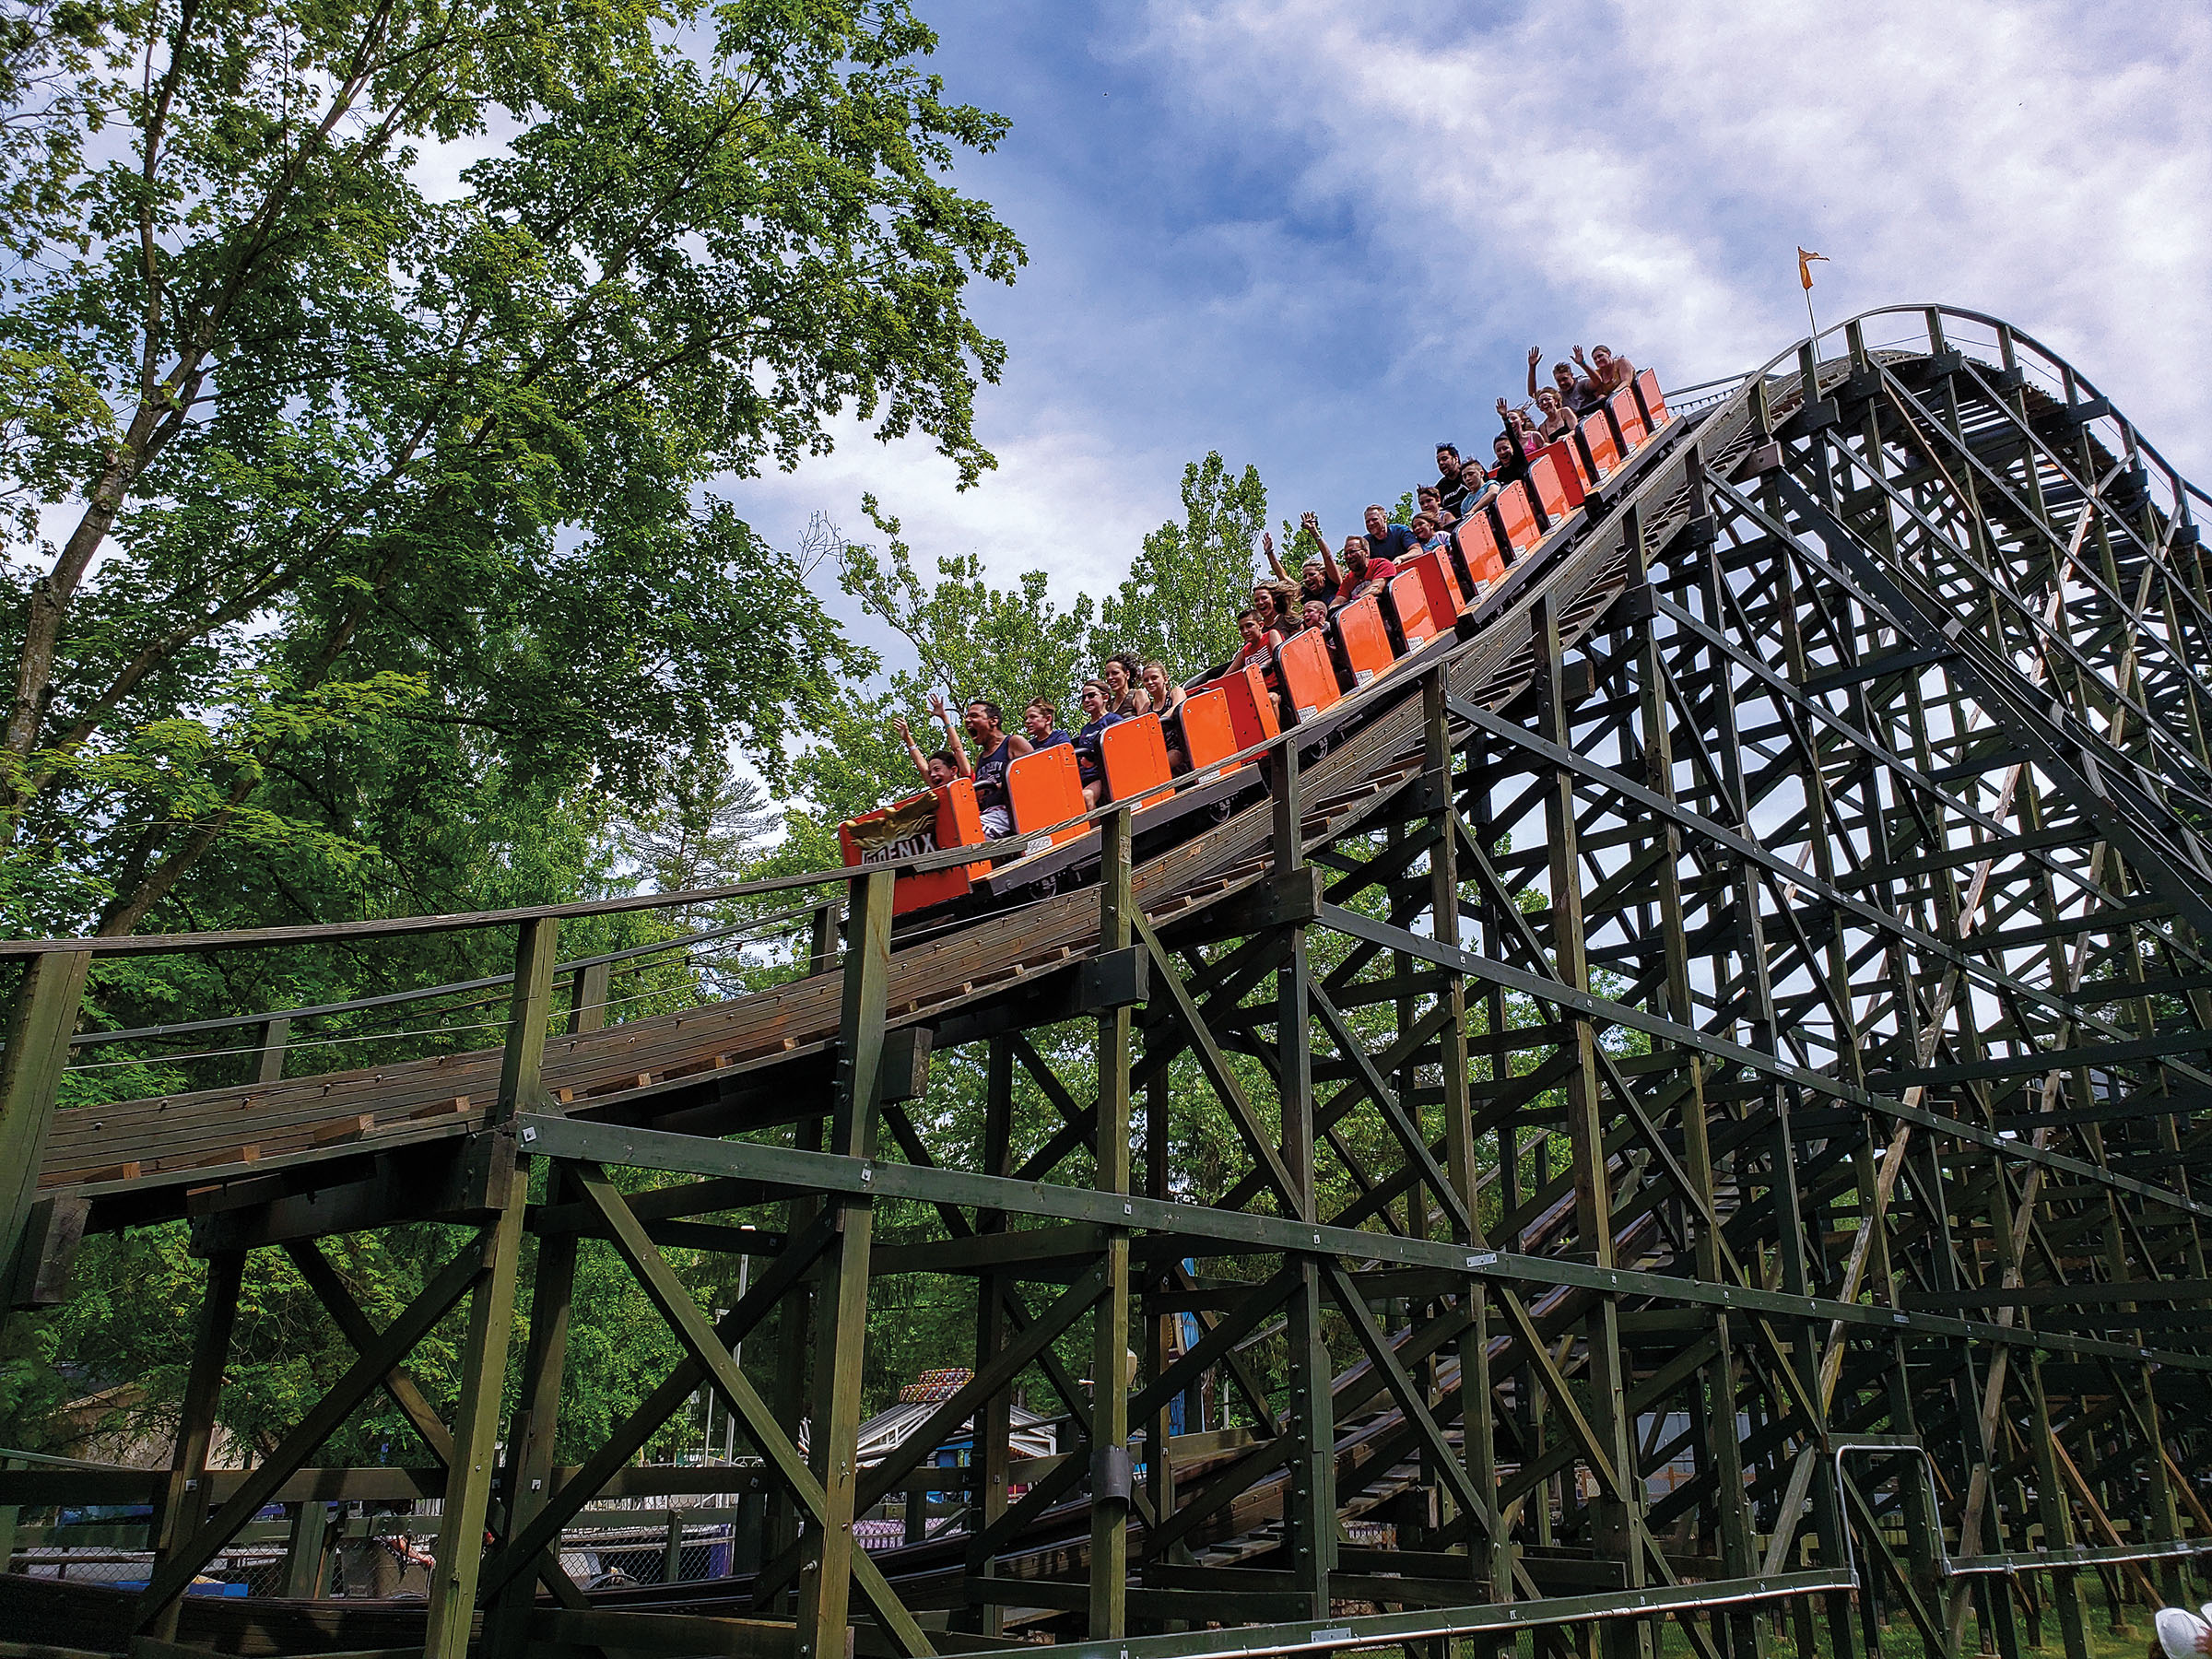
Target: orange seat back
(906, 827)
(1653, 400)
(1251, 716)
(1549, 487)
(1408, 596)
(1479, 548)
(1209, 736)
(1600, 453)
(1133, 756)
(1365, 639)
(1567, 468)
(1309, 677)
(1044, 788)
(1516, 524)
(1628, 417)
(1440, 582)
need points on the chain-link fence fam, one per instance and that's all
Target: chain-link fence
(349, 1551)
(387, 1550)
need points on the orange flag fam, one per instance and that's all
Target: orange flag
(1805, 266)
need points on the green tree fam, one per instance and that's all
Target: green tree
(1181, 599)
(971, 639)
(328, 448)
(711, 822)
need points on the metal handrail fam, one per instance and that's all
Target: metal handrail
(453, 988)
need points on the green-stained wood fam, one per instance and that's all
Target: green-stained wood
(1107, 1604)
(184, 1503)
(41, 1019)
(459, 1551)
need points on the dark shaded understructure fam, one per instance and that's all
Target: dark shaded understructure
(1752, 980)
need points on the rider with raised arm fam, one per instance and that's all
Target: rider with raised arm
(1578, 394)
(1314, 581)
(1608, 373)
(947, 763)
(994, 751)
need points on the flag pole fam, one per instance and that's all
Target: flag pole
(1804, 278)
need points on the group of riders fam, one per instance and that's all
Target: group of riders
(1127, 687)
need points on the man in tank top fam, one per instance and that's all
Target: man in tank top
(994, 751)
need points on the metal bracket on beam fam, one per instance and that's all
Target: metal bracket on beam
(1697, 535)
(1812, 417)
(1860, 390)
(1762, 461)
(1633, 607)
(1425, 796)
(1111, 1476)
(1293, 899)
(1117, 978)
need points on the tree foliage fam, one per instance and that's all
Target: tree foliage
(306, 441)
(377, 380)
(1181, 599)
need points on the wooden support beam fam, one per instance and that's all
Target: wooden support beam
(1110, 1472)
(41, 1019)
(688, 1322)
(542, 1531)
(353, 1325)
(459, 1551)
(183, 1504)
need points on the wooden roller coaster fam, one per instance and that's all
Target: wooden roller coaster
(1745, 959)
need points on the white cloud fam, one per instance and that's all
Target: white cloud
(1065, 499)
(1642, 173)
(1324, 231)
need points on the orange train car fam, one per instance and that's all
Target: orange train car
(1364, 640)
(1515, 522)
(1209, 735)
(1439, 580)
(1600, 454)
(1308, 677)
(932, 821)
(1628, 417)
(1567, 469)
(1481, 549)
(1239, 710)
(1405, 608)
(1251, 716)
(1548, 487)
(1134, 758)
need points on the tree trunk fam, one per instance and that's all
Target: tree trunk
(48, 606)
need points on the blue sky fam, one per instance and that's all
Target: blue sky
(1318, 235)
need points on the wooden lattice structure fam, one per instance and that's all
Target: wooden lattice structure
(1768, 943)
